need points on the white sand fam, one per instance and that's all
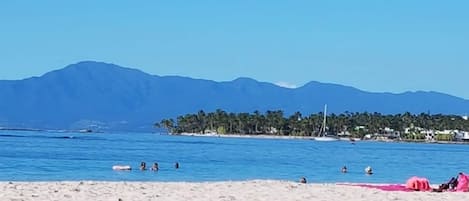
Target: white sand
(260, 136)
(246, 190)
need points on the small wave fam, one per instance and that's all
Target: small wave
(51, 137)
(188, 142)
(63, 137)
(3, 135)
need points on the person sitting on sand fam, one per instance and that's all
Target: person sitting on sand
(176, 165)
(450, 185)
(143, 166)
(368, 170)
(344, 169)
(453, 182)
(155, 167)
(303, 180)
(459, 183)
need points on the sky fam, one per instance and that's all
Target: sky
(374, 45)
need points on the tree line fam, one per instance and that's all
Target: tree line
(297, 124)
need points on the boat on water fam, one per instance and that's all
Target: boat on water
(351, 139)
(326, 138)
(323, 137)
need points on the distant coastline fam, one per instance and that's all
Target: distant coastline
(20, 129)
(256, 136)
(423, 127)
(47, 130)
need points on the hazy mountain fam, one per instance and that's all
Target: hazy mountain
(112, 97)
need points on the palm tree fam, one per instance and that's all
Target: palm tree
(168, 124)
(201, 120)
(274, 122)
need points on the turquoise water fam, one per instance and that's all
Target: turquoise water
(43, 156)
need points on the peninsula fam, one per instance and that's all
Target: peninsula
(402, 127)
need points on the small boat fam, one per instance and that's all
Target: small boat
(121, 167)
(323, 137)
(85, 131)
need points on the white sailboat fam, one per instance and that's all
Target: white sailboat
(323, 134)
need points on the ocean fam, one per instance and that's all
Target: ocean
(55, 156)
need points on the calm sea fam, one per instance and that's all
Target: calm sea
(47, 156)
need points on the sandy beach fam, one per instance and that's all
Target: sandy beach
(205, 191)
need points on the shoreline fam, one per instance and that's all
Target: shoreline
(261, 136)
(265, 136)
(203, 191)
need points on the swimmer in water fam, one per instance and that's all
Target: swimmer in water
(143, 166)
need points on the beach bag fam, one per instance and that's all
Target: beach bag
(418, 184)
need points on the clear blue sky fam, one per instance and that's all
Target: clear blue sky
(374, 45)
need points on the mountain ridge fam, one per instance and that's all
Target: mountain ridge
(121, 98)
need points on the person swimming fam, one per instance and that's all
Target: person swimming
(368, 170)
(155, 167)
(344, 169)
(143, 166)
(303, 180)
(176, 165)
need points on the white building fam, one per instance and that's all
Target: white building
(391, 133)
(429, 135)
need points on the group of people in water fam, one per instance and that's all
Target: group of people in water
(143, 166)
(155, 166)
(344, 169)
(368, 170)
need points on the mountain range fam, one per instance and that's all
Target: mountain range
(95, 94)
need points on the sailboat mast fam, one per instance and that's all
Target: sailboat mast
(324, 121)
